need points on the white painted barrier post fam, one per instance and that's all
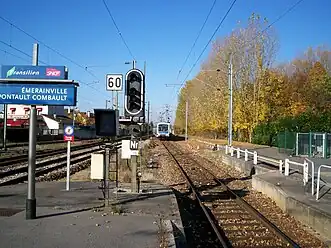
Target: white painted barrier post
(231, 150)
(287, 167)
(255, 157)
(246, 155)
(238, 152)
(312, 176)
(280, 166)
(305, 172)
(226, 149)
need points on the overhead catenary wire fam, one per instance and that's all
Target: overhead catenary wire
(204, 49)
(196, 39)
(15, 48)
(50, 48)
(20, 51)
(44, 44)
(14, 55)
(118, 30)
(287, 11)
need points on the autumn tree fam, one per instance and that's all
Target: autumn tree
(265, 97)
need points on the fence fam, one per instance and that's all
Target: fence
(282, 166)
(319, 179)
(305, 144)
(286, 142)
(313, 144)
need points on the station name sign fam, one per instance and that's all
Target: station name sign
(33, 72)
(38, 94)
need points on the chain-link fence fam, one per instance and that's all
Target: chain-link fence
(313, 144)
(305, 144)
(286, 142)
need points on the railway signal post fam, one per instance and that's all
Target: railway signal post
(134, 112)
(134, 145)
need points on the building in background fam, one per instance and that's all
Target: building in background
(22, 111)
(18, 115)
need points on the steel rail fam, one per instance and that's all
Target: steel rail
(240, 201)
(196, 194)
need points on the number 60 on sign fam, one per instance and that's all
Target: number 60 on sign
(114, 82)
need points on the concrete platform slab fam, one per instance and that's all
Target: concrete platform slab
(84, 229)
(72, 219)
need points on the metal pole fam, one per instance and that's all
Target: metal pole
(230, 104)
(186, 120)
(112, 100)
(117, 107)
(31, 199)
(134, 64)
(134, 174)
(105, 175)
(5, 126)
(106, 103)
(144, 102)
(68, 166)
(144, 69)
(73, 118)
(148, 118)
(116, 176)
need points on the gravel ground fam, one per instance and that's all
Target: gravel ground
(56, 173)
(197, 228)
(291, 227)
(249, 232)
(62, 173)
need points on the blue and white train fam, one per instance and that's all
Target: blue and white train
(163, 130)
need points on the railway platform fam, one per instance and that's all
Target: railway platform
(289, 192)
(78, 218)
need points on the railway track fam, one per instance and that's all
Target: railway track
(41, 154)
(26, 144)
(234, 221)
(13, 171)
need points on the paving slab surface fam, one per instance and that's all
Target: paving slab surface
(72, 219)
(83, 229)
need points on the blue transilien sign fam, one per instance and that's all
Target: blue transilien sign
(38, 94)
(33, 72)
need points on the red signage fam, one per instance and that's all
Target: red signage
(68, 138)
(53, 72)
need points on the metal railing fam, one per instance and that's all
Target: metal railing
(319, 179)
(272, 161)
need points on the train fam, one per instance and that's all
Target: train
(163, 130)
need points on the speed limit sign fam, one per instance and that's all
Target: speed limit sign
(114, 82)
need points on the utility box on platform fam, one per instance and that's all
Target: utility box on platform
(97, 166)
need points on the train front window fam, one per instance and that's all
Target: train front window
(163, 128)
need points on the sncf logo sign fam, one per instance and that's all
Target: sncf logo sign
(51, 72)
